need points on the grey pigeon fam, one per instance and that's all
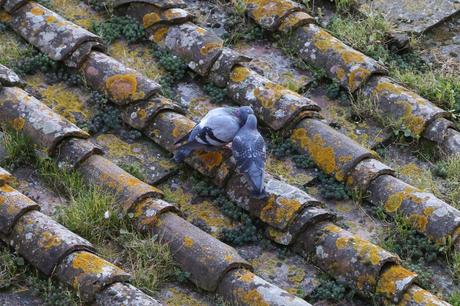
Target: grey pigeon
(215, 130)
(249, 151)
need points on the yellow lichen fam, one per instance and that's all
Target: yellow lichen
(37, 11)
(49, 240)
(239, 74)
(263, 9)
(209, 47)
(150, 19)
(279, 213)
(122, 86)
(395, 200)
(160, 34)
(61, 99)
(210, 159)
(269, 94)
(323, 155)
(387, 282)
(90, 263)
(179, 298)
(18, 123)
(419, 222)
(246, 277)
(188, 242)
(252, 297)
(333, 228)
(341, 242)
(138, 59)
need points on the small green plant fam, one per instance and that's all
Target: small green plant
(449, 169)
(344, 5)
(119, 27)
(134, 169)
(100, 6)
(18, 149)
(175, 67)
(455, 299)
(37, 62)
(16, 273)
(410, 245)
(331, 189)
(106, 118)
(239, 28)
(217, 94)
(246, 232)
(329, 289)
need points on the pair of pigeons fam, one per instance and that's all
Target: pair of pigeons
(221, 126)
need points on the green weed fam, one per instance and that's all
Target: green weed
(119, 27)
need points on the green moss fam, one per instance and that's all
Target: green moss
(16, 274)
(135, 169)
(175, 67)
(455, 299)
(331, 189)
(119, 27)
(217, 94)
(246, 232)
(106, 118)
(330, 290)
(239, 28)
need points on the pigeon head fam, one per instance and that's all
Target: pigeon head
(243, 112)
(251, 122)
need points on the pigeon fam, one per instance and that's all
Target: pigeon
(216, 129)
(249, 151)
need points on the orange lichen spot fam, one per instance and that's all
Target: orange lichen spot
(341, 242)
(340, 73)
(48, 241)
(423, 297)
(416, 124)
(4, 16)
(51, 19)
(395, 200)
(357, 76)
(37, 11)
(128, 180)
(352, 56)
(247, 277)
(269, 94)
(419, 222)
(188, 242)
(389, 87)
(182, 127)
(323, 155)
(160, 34)
(252, 297)
(6, 188)
(367, 251)
(365, 280)
(121, 86)
(333, 228)
(92, 264)
(11, 210)
(201, 31)
(18, 123)
(389, 278)
(268, 8)
(150, 19)
(209, 47)
(239, 74)
(210, 159)
(141, 114)
(279, 213)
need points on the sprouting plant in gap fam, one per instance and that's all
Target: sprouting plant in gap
(245, 233)
(331, 290)
(217, 94)
(119, 27)
(175, 67)
(134, 169)
(282, 148)
(107, 116)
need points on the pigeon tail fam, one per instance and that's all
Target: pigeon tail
(256, 179)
